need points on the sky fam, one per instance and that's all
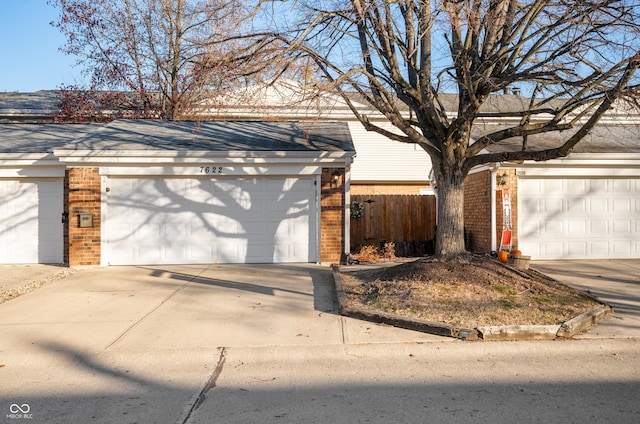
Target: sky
(30, 60)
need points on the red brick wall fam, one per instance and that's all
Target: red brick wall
(477, 211)
(82, 195)
(332, 209)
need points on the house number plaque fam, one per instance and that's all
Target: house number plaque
(211, 170)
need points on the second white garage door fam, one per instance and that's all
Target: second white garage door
(31, 221)
(160, 220)
(579, 218)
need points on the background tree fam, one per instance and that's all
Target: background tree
(573, 60)
(168, 53)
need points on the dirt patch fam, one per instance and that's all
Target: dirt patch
(471, 292)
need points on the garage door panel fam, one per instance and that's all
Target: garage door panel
(576, 186)
(226, 220)
(622, 186)
(552, 248)
(552, 228)
(622, 248)
(577, 248)
(577, 205)
(621, 227)
(599, 248)
(621, 205)
(576, 228)
(590, 218)
(598, 205)
(599, 227)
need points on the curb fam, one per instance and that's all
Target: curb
(583, 321)
(489, 333)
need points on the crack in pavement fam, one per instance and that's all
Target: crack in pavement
(208, 385)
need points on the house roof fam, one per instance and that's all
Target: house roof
(40, 138)
(25, 106)
(602, 139)
(156, 135)
(217, 136)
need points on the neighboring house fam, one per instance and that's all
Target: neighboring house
(585, 206)
(36, 107)
(32, 191)
(158, 192)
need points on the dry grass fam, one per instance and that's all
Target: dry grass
(473, 292)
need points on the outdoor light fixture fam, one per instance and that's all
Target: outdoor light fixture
(504, 179)
(335, 177)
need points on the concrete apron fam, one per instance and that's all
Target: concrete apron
(122, 338)
(184, 307)
(615, 282)
(148, 344)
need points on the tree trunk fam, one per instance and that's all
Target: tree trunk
(450, 229)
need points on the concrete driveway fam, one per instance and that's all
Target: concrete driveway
(615, 282)
(238, 344)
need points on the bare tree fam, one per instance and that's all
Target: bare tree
(170, 53)
(573, 60)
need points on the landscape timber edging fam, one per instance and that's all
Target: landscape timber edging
(489, 333)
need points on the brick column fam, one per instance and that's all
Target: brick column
(82, 195)
(477, 211)
(332, 215)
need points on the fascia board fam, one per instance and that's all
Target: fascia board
(151, 157)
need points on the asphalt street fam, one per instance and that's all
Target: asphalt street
(263, 344)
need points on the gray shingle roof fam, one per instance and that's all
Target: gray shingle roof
(40, 138)
(602, 139)
(308, 136)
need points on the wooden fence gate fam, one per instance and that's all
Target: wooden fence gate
(409, 221)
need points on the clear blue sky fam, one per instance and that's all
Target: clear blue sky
(30, 59)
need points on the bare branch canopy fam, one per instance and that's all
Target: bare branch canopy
(572, 62)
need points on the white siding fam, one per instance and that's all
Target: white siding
(379, 159)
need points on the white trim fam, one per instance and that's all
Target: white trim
(205, 170)
(32, 172)
(183, 156)
(104, 217)
(27, 165)
(582, 172)
(347, 210)
(318, 184)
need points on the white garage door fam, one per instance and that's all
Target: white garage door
(160, 220)
(586, 218)
(31, 221)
